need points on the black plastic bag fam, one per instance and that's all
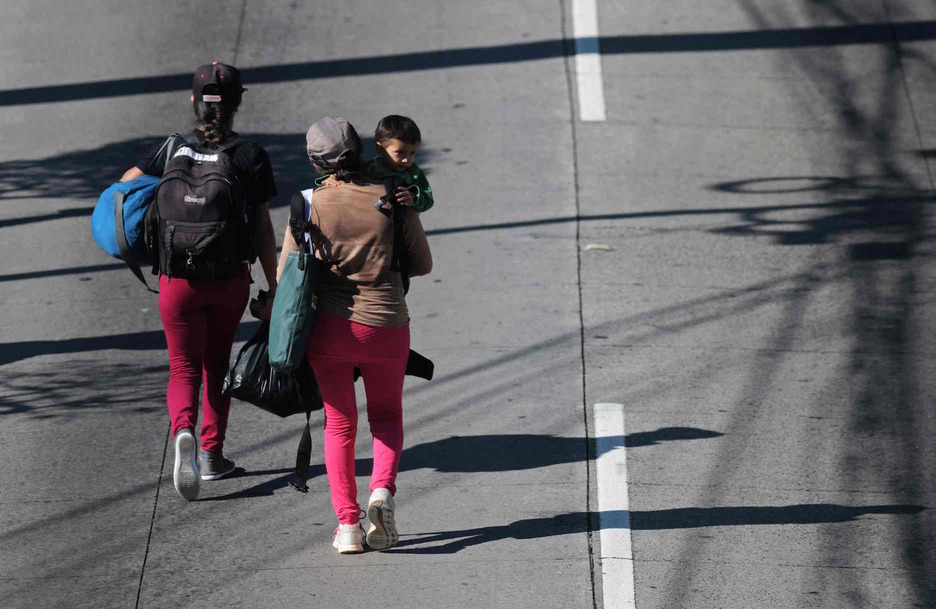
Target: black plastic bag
(251, 379)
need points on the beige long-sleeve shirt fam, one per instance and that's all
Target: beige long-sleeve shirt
(357, 240)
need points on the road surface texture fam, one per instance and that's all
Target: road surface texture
(739, 252)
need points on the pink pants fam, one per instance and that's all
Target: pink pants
(334, 349)
(200, 318)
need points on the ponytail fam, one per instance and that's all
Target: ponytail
(216, 120)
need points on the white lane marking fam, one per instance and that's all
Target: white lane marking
(588, 60)
(616, 558)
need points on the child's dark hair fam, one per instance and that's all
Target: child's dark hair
(215, 119)
(396, 127)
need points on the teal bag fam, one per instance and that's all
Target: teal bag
(296, 301)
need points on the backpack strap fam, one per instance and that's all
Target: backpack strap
(188, 139)
(399, 261)
(300, 227)
(125, 252)
(173, 143)
(298, 224)
(303, 458)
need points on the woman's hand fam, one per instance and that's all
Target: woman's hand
(265, 312)
(261, 307)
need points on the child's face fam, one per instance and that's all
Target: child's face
(396, 154)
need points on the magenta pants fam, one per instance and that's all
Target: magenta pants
(336, 346)
(200, 319)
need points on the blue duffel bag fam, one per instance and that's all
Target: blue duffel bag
(118, 221)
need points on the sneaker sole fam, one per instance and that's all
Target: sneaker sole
(382, 533)
(185, 473)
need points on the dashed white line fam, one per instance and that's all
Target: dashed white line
(616, 558)
(588, 60)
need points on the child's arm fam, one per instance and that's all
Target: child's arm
(422, 191)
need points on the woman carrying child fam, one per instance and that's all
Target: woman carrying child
(362, 320)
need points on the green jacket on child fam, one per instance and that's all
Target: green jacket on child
(414, 178)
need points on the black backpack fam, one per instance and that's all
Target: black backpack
(198, 224)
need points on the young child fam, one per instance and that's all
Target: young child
(397, 139)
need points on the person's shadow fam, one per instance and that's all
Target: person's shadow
(676, 518)
(491, 453)
(512, 452)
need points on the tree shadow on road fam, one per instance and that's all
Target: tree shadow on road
(84, 174)
(852, 33)
(130, 341)
(872, 220)
(87, 386)
(66, 389)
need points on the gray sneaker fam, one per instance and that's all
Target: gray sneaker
(214, 465)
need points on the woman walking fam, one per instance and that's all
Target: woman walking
(204, 266)
(362, 320)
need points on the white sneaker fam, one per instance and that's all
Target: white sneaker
(382, 533)
(349, 538)
(185, 473)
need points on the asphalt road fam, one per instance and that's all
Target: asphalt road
(758, 296)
